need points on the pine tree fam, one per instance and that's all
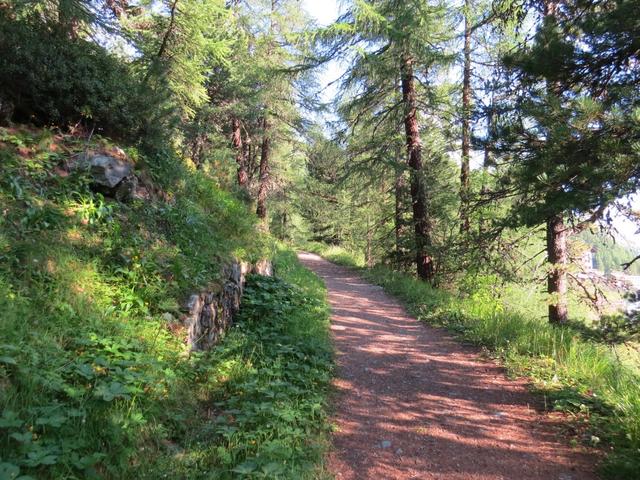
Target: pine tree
(573, 131)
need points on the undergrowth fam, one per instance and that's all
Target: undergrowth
(95, 378)
(264, 388)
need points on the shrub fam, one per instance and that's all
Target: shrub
(53, 80)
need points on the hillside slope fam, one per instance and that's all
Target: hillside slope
(96, 380)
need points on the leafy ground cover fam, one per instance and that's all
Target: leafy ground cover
(265, 386)
(577, 375)
(95, 377)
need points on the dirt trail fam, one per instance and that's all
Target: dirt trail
(415, 404)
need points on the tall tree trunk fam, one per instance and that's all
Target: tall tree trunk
(466, 123)
(261, 209)
(241, 159)
(556, 230)
(488, 147)
(369, 252)
(557, 277)
(424, 261)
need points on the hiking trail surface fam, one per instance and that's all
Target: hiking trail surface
(412, 403)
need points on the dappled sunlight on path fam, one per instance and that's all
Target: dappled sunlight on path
(412, 403)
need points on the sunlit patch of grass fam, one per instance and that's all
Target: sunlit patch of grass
(336, 254)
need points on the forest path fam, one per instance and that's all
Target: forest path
(412, 403)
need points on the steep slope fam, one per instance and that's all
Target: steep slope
(95, 375)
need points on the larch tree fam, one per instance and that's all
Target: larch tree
(397, 48)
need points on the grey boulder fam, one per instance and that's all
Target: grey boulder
(105, 170)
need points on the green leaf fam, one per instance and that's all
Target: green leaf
(9, 471)
(246, 467)
(8, 360)
(22, 437)
(41, 457)
(53, 421)
(10, 419)
(111, 391)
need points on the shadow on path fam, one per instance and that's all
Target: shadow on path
(415, 404)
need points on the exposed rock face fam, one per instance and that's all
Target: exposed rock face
(263, 267)
(112, 174)
(212, 312)
(106, 171)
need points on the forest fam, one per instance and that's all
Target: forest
(476, 160)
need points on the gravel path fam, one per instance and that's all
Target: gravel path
(413, 403)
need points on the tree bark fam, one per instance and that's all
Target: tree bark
(556, 231)
(261, 209)
(466, 124)
(236, 138)
(557, 276)
(488, 147)
(422, 224)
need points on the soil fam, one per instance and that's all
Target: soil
(413, 403)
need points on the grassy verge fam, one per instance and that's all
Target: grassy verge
(95, 378)
(263, 390)
(335, 254)
(580, 376)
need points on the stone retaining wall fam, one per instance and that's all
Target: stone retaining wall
(210, 313)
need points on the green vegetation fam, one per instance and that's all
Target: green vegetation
(609, 256)
(215, 104)
(96, 382)
(263, 389)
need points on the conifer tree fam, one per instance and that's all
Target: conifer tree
(573, 131)
(399, 48)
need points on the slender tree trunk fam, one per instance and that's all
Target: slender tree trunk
(425, 266)
(557, 277)
(466, 124)
(261, 209)
(488, 146)
(369, 253)
(236, 138)
(556, 232)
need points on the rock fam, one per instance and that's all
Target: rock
(263, 267)
(127, 189)
(105, 170)
(209, 314)
(235, 273)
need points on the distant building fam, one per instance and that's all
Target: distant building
(586, 260)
